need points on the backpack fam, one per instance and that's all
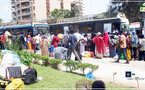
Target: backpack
(3, 38)
(30, 76)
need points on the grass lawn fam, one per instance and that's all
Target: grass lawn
(58, 79)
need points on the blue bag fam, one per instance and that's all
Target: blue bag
(90, 75)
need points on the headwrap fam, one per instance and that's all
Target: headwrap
(135, 37)
(106, 39)
(98, 40)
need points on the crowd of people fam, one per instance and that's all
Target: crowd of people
(128, 46)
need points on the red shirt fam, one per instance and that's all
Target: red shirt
(55, 41)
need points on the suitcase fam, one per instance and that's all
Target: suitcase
(14, 72)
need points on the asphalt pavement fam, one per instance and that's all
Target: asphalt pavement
(107, 67)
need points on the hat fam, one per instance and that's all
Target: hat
(18, 33)
(99, 33)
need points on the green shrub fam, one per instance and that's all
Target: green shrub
(25, 57)
(55, 61)
(93, 67)
(36, 56)
(44, 58)
(83, 66)
(72, 65)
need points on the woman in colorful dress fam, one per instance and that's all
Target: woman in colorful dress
(99, 49)
(128, 50)
(45, 47)
(29, 43)
(106, 45)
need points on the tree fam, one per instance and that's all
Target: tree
(105, 15)
(63, 13)
(131, 9)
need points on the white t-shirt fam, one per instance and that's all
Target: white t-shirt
(142, 43)
(79, 36)
(37, 39)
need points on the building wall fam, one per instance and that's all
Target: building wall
(40, 9)
(54, 4)
(67, 4)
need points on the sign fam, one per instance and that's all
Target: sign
(107, 27)
(65, 29)
(142, 8)
(42, 28)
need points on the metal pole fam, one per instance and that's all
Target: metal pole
(140, 26)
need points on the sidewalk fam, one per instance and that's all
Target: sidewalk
(107, 68)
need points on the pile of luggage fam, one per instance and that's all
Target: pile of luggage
(16, 80)
(15, 76)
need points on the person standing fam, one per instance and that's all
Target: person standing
(45, 47)
(122, 43)
(92, 45)
(142, 48)
(134, 44)
(22, 41)
(8, 36)
(99, 49)
(65, 40)
(51, 36)
(26, 42)
(34, 43)
(106, 44)
(73, 42)
(79, 45)
(29, 43)
(60, 37)
(37, 41)
(128, 50)
(112, 47)
(55, 40)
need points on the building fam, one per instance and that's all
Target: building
(28, 10)
(79, 5)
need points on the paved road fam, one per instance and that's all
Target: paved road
(107, 67)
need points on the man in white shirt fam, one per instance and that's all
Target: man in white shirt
(37, 41)
(142, 48)
(79, 39)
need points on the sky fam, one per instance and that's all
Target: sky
(90, 7)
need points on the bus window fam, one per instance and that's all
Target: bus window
(138, 28)
(131, 29)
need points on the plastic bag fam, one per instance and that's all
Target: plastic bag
(122, 57)
(15, 84)
(90, 75)
(88, 54)
(3, 52)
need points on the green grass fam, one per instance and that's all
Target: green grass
(58, 79)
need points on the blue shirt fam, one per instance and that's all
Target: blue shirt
(73, 40)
